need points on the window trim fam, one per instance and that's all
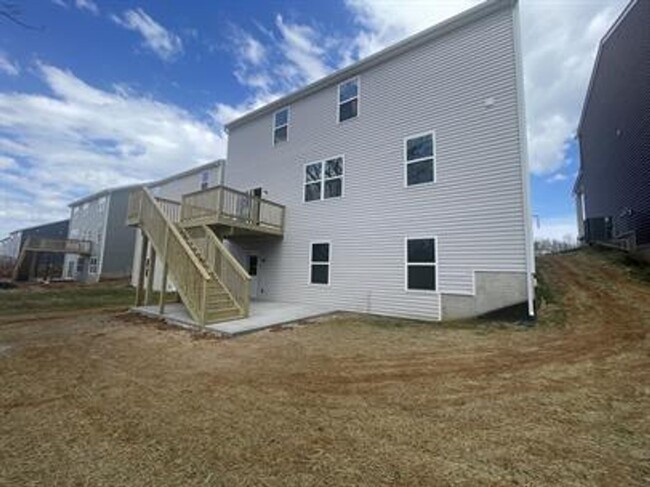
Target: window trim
(288, 109)
(339, 102)
(323, 179)
(434, 158)
(420, 264)
(329, 263)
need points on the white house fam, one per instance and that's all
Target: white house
(395, 186)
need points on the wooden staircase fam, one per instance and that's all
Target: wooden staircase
(209, 280)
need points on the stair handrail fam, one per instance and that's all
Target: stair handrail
(172, 228)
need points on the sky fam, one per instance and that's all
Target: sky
(95, 94)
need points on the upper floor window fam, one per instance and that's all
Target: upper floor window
(348, 99)
(324, 179)
(280, 126)
(419, 159)
(421, 264)
(205, 180)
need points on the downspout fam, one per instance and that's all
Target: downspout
(523, 153)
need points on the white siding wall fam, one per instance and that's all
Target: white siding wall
(475, 208)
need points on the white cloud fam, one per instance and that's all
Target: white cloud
(81, 139)
(7, 66)
(557, 177)
(89, 5)
(163, 43)
(556, 228)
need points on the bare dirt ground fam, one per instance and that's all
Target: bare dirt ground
(110, 399)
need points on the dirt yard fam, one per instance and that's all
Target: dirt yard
(108, 399)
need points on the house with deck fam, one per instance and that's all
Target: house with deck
(36, 252)
(395, 186)
(612, 189)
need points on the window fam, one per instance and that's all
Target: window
(71, 267)
(205, 180)
(421, 264)
(419, 156)
(348, 99)
(80, 266)
(92, 265)
(280, 126)
(319, 263)
(324, 179)
(252, 265)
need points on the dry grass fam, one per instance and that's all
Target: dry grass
(107, 399)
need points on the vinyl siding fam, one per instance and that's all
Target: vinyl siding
(475, 207)
(616, 166)
(120, 238)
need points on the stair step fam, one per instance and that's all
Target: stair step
(223, 314)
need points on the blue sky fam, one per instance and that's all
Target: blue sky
(107, 93)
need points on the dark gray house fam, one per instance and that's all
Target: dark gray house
(41, 262)
(612, 190)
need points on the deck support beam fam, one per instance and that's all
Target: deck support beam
(148, 293)
(141, 270)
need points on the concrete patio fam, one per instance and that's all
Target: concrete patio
(263, 314)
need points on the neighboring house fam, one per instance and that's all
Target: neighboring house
(41, 264)
(612, 190)
(100, 218)
(395, 186)
(170, 190)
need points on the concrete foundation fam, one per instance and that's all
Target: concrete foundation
(493, 290)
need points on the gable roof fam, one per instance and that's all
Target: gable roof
(189, 172)
(438, 30)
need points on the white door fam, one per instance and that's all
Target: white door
(252, 271)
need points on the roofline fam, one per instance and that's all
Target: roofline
(37, 226)
(438, 30)
(104, 192)
(189, 172)
(592, 78)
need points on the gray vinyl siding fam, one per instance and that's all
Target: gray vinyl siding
(474, 209)
(120, 238)
(615, 130)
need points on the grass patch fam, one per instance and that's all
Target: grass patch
(43, 298)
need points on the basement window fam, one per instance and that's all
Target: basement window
(421, 266)
(281, 126)
(319, 263)
(348, 99)
(419, 159)
(324, 179)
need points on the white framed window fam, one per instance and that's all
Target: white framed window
(421, 264)
(281, 126)
(92, 265)
(420, 159)
(324, 179)
(71, 268)
(348, 99)
(319, 263)
(205, 180)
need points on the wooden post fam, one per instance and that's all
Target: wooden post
(143, 260)
(32, 267)
(163, 290)
(148, 293)
(163, 283)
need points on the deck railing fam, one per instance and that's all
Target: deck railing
(60, 245)
(222, 204)
(228, 270)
